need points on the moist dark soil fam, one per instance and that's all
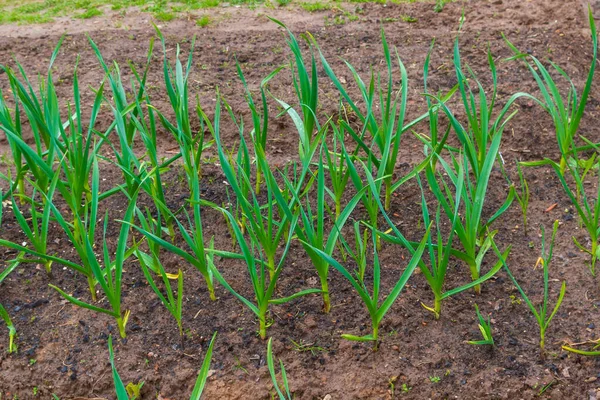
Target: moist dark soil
(63, 349)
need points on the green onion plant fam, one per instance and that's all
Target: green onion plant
(485, 327)
(41, 108)
(543, 315)
(372, 301)
(121, 390)
(12, 332)
(439, 253)
(106, 272)
(263, 225)
(283, 390)
(313, 233)
(153, 268)
(263, 285)
(472, 229)
(385, 132)
(306, 87)
(566, 112)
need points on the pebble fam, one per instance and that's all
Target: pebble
(310, 322)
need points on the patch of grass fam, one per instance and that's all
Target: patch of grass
(341, 19)
(208, 3)
(89, 13)
(165, 16)
(36, 11)
(316, 6)
(369, 1)
(408, 18)
(204, 21)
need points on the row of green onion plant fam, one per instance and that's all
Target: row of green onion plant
(566, 113)
(386, 130)
(191, 147)
(480, 142)
(43, 115)
(265, 235)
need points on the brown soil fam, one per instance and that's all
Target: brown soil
(69, 344)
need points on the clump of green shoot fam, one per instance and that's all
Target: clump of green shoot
(266, 229)
(566, 113)
(439, 253)
(57, 141)
(43, 114)
(192, 143)
(148, 131)
(35, 226)
(266, 234)
(107, 273)
(313, 233)
(542, 314)
(371, 299)
(472, 227)
(129, 119)
(476, 137)
(283, 390)
(480, 145)
(12, 332)
(485, 327)
(306, 88)
(385, 130)
(124, 392)
(191, 147)
(263, 283)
